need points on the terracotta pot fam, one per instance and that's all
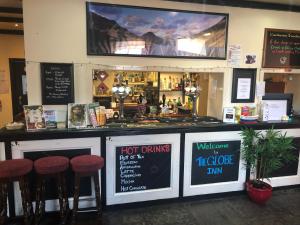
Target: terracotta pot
(259, 195)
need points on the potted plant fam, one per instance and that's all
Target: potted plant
(264, 152)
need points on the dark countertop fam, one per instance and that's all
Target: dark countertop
(119, 129)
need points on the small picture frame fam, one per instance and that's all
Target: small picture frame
(34, 117)
(77, 115)
(228, 115)
(243, 85)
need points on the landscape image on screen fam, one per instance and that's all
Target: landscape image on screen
(124, 30)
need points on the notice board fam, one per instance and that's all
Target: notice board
(143, 167)
(281, 49)
(214, 162)
(57, 83)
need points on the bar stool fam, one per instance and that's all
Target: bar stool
(10, 171)
(86, 165)
(46, 167)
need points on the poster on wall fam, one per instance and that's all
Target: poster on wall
(214, 162)
(140, 31)
(281, 49)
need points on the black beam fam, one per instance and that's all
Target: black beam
(11, 19)
(11, 10)
(13, 32)
(245, 4)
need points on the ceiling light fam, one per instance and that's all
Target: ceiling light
(16, 25)
(207, 34)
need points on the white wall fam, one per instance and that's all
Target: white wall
(11, 46)
(55, 31)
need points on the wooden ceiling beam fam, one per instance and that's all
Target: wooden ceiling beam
(11, 19)
(12, 32)
(11, 10)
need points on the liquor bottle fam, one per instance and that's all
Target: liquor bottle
(179, 102)
(170, 83)
(164, 99)
(177, 84)
(174, 84)
(165, 85)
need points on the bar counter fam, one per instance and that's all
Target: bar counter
(146, 161)
(132, 128)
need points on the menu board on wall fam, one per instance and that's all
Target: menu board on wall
(143, 167)
(281, 49)
(57, 83)
(214, 162)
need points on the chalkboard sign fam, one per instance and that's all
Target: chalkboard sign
(214, 162)
(143, 167)
(281, 49)
(57, 83)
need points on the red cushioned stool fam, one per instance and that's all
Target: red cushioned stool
(86, 165)
(46, 167)
(10, 171)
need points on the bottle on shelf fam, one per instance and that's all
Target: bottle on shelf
(170, 104)
(174, 84)
(170, 83)
(177, 84)
(164, 99)
(179, 102)
(165, 85)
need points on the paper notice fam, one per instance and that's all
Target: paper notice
(234, 55)
(243, 88)
(260, 88)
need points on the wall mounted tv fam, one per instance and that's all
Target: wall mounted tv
(138, 31)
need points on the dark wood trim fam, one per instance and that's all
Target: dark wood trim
(11, 196)
(245, 4)
(11, 19)
(11, 10)
(181, 165)
(12, 32)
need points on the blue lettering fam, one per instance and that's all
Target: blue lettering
(214, 171)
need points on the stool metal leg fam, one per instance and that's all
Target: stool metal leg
(28, 197)
(38, 210)
(97, 192)
(1, 198)
(76, 197)
(25, 204)
(3, 213)
(62, 195)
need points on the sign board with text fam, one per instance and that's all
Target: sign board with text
(281, 49)
(143, 167)
(57, 83)
(214, 162)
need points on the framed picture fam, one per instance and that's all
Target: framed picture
(34, 117)
(281, 49)
(243, 85)
(139, 31)
(77, 115)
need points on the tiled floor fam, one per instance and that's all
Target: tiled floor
(282, 209)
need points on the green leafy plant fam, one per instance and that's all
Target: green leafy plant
(265, 152)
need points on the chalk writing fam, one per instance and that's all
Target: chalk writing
(143, 167)
(215, 162)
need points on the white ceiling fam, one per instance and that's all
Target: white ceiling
(285, 2)
(18, 3)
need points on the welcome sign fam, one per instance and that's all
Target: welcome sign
(214, 162)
